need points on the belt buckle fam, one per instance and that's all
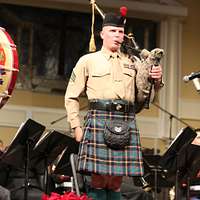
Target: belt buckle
(118, 107)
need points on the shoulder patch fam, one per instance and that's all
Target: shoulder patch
(73, 77)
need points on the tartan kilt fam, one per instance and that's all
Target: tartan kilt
(95, 157)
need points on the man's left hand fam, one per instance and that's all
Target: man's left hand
(156, 72)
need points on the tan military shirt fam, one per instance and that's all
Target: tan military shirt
(104, 75)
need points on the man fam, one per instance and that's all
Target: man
(4, 193)
(109, 78)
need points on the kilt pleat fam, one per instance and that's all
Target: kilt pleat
(95, 157)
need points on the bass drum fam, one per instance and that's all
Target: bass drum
(8, 66)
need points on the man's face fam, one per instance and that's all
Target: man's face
(112, 37)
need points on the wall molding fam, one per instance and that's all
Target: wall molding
(14, 115)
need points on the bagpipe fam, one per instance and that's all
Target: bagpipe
(8, 66)
(130, 48)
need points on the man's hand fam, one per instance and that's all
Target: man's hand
(78, 133)
(156, 73)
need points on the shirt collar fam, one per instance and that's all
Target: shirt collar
(108, 54)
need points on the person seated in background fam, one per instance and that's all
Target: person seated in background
(4, 193)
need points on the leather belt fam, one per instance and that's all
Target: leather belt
(112, 105)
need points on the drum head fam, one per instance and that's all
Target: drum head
(8, 66)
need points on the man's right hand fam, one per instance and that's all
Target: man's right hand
(78, 133)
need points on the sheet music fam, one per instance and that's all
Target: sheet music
(179, 133)
(58, 159)
(45, 135)
(20, 128)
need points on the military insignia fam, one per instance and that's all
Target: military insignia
(73, 77)
(118, 129)
(126, 65)
(129, 66)
(132, 67)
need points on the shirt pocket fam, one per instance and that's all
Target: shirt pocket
(100, 73)
(97, 80)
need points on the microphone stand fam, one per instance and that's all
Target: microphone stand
(59, 119)
(171, 116)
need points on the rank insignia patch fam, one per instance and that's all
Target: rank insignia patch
(129, 66)
(73, 77)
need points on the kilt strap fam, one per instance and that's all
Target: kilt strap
(112, 105)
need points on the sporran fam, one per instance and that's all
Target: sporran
(116, 134)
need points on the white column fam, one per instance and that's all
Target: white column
(171, 32)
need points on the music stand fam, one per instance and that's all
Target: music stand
(47, 150)
(173, 159)
(18, 153)
(63, 166)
